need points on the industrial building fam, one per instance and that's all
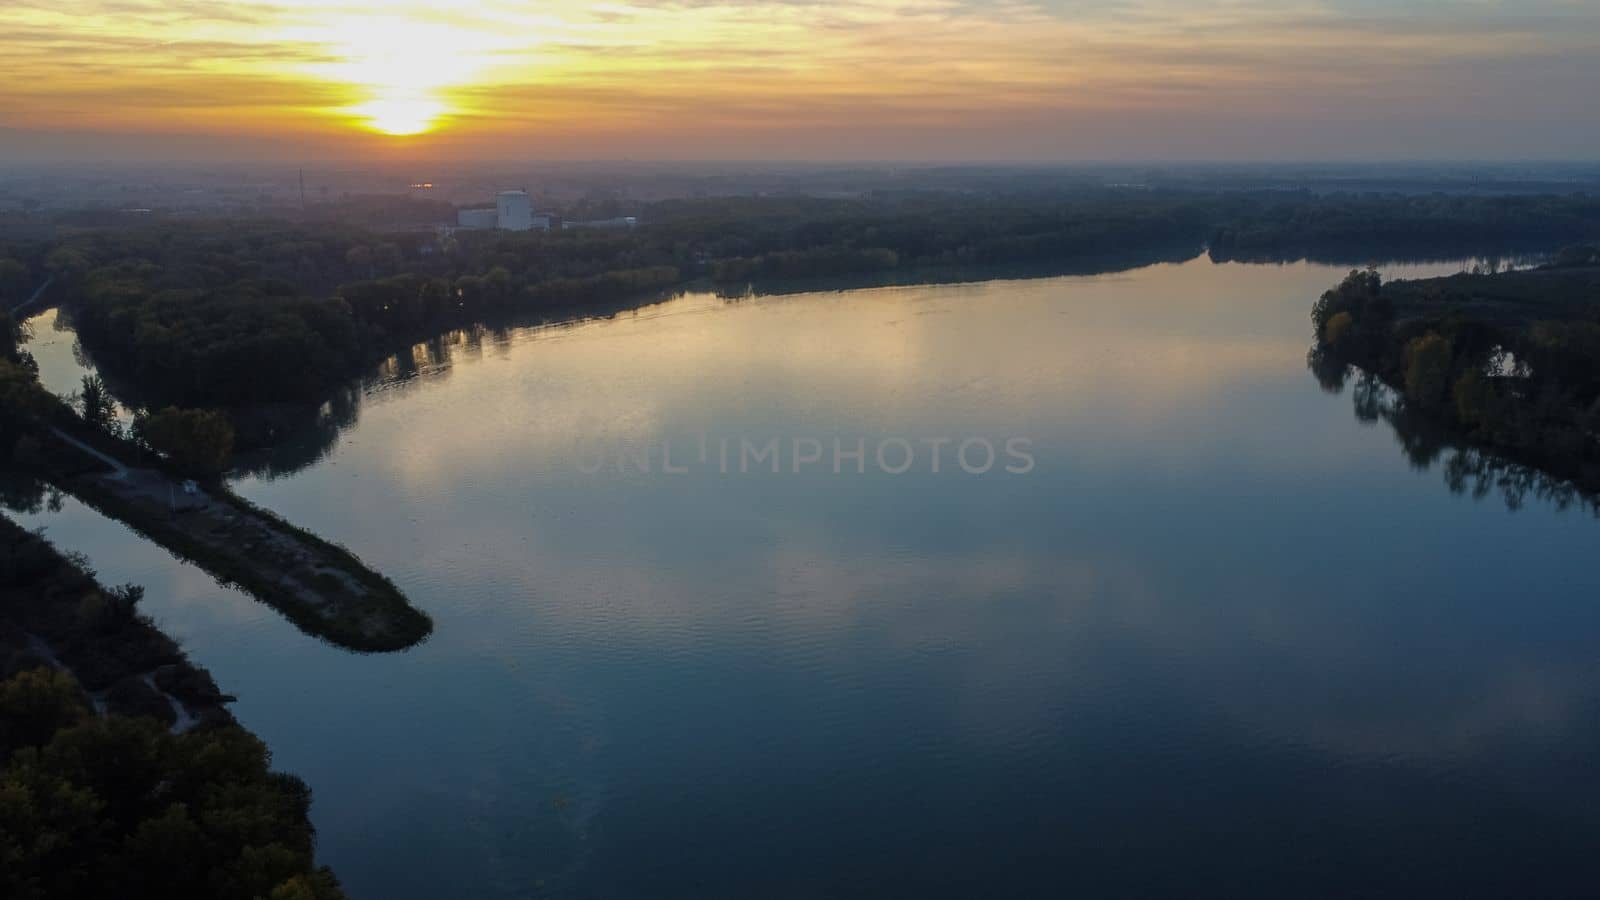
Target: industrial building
(475, 219)
(512, 211)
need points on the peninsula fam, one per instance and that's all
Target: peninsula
(323, 588)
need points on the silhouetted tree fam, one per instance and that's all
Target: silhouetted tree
(11, 337)
(96, 406)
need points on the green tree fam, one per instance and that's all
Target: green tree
(172, 850)
(1428, 361)
(35, 704)
(1354, 294)
(46, 822)
(21, 397)
(87, 802)
(196, 439)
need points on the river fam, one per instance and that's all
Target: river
(1200, 633)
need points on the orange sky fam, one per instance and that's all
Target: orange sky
(883, 79)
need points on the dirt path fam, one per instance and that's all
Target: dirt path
(119, 471)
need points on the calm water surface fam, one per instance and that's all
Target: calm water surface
(1222, 640)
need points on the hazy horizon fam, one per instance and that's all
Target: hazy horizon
(93, 153)
(912, 81)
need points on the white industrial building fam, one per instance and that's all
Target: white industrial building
(512, 211)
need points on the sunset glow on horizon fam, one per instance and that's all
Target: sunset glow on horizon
(938, 79)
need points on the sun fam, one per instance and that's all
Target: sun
(400, 71)
(400, 116)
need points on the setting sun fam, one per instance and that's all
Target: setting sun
(400, 116)
(398, 70)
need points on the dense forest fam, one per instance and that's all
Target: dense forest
(1381, 227)
(234, 314)
(1506, 362)
(102, 790)
(87, 802)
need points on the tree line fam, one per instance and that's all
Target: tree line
(1394, 226)
(229, 314)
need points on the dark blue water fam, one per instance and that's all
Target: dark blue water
(1221, 640)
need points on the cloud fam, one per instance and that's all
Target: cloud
(809, 71)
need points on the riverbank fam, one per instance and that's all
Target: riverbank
(53, 613)
(119, 761)
(321, 587)
(1507, 363)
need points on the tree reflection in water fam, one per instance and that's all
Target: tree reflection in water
(1467, 469)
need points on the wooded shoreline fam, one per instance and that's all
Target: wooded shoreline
(1506, 364)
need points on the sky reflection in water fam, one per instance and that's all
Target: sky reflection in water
(1223, 635)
